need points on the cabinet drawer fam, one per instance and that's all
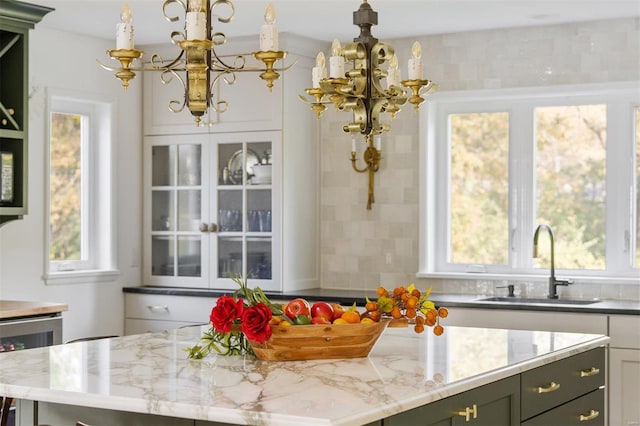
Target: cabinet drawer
(546, 387)
(169, 308)
(587, 410)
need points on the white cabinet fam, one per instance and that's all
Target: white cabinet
(624, 370)
(153, 312)
(208, 214)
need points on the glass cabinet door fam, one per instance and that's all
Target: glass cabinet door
(244, 211)
(176, 210)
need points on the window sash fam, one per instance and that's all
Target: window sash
(520, 104)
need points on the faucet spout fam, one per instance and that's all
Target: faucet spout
(553, 282)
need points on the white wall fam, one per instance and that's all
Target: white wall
(67, 61)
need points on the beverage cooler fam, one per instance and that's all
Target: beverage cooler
(26, 333)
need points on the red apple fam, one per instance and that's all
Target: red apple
(322, 309)
(337, 311)
(297, 307)
(320, 320)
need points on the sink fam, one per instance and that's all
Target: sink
(541, 300)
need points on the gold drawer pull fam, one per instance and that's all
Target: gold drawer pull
(592, 415)
(468, 412)
(590, 372)
(553, 386)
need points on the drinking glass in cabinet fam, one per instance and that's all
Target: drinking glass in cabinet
(259, 258)
(229, 257)
(230, 220)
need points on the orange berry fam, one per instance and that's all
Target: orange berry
(404, 297)
(438, 330)
(381, 291)
(430, 321)
(443, 312)
(352, 317)
(395, 312)
(411, 302)
(371, 306)
(418, 328)
(415, 292)
(420, 320)
(410, 313)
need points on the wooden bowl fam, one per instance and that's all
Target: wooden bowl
(331, 341)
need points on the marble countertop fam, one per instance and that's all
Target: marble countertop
(18, 308)
(150, 373)
(347, 297)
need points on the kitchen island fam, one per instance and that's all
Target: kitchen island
(151, 375)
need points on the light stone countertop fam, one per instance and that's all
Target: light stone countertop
(150, 373)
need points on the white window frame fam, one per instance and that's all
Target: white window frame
(99, 226)
(621, 99)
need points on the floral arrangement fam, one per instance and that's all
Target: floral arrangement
(235, 320)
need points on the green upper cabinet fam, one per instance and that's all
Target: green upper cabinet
(16, 18)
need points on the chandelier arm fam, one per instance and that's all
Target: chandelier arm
(157, 63)
(166, 80)
(218, 64)
(229, 4)
(167, 3)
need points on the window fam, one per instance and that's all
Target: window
(80, 210)
(497, 164)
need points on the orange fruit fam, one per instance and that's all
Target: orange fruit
(443, 312)
(438, 330)
(352, 317)
(371, 306)
(381, 291)
(411, 302)
(395, 312)
(418, 328)
(415, 292)
(410, 313)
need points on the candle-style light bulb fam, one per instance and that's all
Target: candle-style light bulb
(415, 62)
(416, 50)
(270, 15)
(124, 30)
(318, 72)
(336, 61)
(336, 47)
(269, 31)
(195, 6)
(125, 14)
(393, 73)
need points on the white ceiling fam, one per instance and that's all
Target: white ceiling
(329, 19)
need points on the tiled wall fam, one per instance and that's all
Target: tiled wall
(362, 249)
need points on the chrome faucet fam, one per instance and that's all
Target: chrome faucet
(553, 282)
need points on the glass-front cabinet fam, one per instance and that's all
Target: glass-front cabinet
(213, 211)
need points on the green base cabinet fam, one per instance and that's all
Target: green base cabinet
(495, 404)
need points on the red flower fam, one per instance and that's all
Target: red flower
(225, 312)
(255, 322)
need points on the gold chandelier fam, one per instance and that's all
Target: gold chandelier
(360, 89)
(198, 67)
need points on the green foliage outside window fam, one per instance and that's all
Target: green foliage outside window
(65, 187)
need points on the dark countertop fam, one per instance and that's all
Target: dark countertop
(347, 297)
